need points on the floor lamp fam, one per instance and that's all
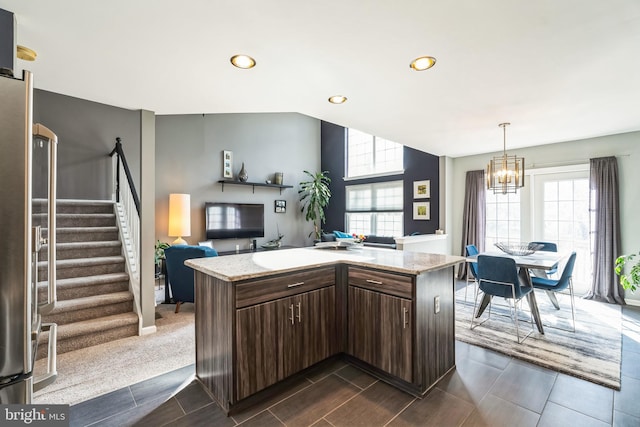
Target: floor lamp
(179, 217)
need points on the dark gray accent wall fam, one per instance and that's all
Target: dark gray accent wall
(7, 39)
(86, 135)
(418, 166)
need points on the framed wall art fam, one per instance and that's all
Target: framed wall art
(227, 164)
(421, 211)
(280, 206)
(422, 189)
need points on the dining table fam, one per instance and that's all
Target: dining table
(539, 260)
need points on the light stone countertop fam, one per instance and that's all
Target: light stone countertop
(238, 267)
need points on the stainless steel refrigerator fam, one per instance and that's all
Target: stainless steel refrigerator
(28, 156)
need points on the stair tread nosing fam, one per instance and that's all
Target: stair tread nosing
(68, 230)
(92, 301)
(78, 215)
(85, 262)
(87, 244)
(97, 325)
(88, 280)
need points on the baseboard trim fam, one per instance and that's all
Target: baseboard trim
(633, 302)
(148, 330)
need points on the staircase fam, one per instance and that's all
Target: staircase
(94, 302)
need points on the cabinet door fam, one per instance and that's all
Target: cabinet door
(319, 338)
(364, 307)
(290, 336)
(380, 331)
(307, 332)
(256, 348)
(395, 336)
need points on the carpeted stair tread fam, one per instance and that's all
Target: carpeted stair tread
(74, 206)
(93, 326)
(85, 245)
(73, 250)
(88, 280)
(84, 262)
(72, 230)
(77, 282)
(92, 301)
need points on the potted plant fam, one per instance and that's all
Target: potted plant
(314, 197)
(629, 281)
(159, 255)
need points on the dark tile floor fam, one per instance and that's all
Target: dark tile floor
(486, 389)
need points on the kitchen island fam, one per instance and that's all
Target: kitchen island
(263, 317)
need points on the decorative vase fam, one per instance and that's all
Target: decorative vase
(242, 175)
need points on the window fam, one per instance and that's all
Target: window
(370, 155)
(375, 208)
(503, 218)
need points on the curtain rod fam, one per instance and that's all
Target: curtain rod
(570, 163)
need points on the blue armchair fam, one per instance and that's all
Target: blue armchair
(180, 276)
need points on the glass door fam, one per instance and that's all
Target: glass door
(560, 214)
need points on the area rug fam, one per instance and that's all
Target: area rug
(592, 353)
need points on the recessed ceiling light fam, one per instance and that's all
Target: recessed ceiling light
(337, 99)
(423, 63)
(25, 53)
(243, 61)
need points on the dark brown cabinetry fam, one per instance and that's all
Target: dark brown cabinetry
(278, 338)
(385, 343)
(396, 327)
(253, 333)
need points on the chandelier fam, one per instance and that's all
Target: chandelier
(505, 174)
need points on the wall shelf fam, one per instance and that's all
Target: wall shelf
(253, 184)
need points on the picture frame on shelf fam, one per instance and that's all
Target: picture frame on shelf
(421, 211)
(280, 206)
(422, 189)
(227, 164)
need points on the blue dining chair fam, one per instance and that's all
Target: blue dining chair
(180, 276)
(471, 250)
(553, 286)
(547, 247)
(498, 277)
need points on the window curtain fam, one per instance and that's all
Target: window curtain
(474, 215)
(603, 182)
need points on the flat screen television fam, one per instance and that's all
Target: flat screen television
(234, 220)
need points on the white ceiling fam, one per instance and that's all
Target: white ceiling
(558, 70)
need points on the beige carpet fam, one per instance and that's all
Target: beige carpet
(592, 353)
(93, 371)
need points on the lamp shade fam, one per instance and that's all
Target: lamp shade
(179, 216)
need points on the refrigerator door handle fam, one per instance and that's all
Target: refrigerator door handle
(41, 381)
(43, 132)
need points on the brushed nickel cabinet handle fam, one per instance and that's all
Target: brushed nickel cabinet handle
(375, 282)
(405, 321)
(291, 318)
(293, 285)
(299, 312)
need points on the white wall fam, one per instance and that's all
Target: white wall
(626, 147)
(189, 160)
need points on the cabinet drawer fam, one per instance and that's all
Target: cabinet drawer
(263, 290)
(388, 283)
